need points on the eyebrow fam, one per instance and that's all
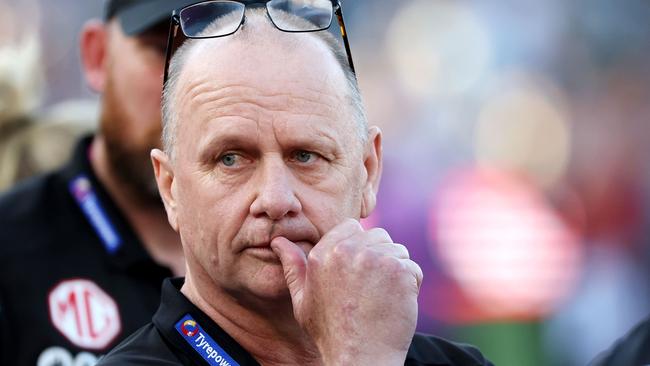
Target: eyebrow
(208, 147)
(318, 140)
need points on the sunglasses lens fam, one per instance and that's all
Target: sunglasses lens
(300, 15)
(222, 17)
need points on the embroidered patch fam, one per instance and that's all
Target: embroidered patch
(202, 343)
(84, 314)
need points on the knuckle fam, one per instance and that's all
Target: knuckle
(419, 274)
(343, 249)
(352, 225)
(346, 228)
(403, 250)
(367, 260)
(314, 260)
(414, 274)
(382, 234)
(392, 266)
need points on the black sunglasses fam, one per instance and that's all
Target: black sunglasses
(193, 20)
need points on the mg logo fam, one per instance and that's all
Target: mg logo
(84, 314)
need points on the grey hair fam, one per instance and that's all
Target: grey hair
(170, 117)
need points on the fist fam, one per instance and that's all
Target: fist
(355, 294)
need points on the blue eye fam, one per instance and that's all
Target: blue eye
(228, 159)
(304, 156)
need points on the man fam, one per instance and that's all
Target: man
(83, 250)
(268, 166)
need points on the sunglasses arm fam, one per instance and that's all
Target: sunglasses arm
(174, 27)
(344, 35)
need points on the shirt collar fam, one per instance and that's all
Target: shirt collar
(174, 306)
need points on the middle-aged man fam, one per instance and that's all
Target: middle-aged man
(268, 167)
(84, 250)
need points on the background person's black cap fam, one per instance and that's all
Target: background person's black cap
(137, 16)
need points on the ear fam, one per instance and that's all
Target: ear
(372, 161)
(94, 46)
(164, 172)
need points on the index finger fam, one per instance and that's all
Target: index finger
(344, 230)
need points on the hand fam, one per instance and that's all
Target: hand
(355, 294)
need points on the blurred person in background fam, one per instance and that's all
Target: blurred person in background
(84, 249)
(34, 144)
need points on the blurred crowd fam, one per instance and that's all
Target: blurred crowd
(516, 134)
(39, 120)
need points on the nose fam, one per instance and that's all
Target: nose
(276, 196)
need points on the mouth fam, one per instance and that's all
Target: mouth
(264, 252)
(256, 239)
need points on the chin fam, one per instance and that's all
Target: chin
(270, 284)
(280, 293)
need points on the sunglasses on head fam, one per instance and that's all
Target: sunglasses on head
(220, 18)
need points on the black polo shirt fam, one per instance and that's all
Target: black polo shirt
(181, 334)
(631, 350)
(74, 277)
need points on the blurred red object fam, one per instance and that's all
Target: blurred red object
(508, 252)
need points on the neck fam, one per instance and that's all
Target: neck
(272, 336)
(148, 220)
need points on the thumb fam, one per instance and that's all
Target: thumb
(294, 264)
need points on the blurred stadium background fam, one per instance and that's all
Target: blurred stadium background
(517, 137)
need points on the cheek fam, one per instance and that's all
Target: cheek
(210, 216)
(332, 200)
(194, 209)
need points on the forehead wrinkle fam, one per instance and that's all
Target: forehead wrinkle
(235, 98)
(319, 133)
(240, 90)
(220, 82)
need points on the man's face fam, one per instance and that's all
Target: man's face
(266, 149)
(131, 119)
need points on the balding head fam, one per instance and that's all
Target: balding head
(258, 44)
(265, 137)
